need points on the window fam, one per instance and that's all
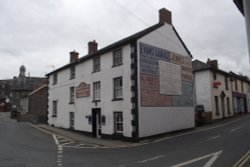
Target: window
(54, 108)
(226, 83)
(55, 79)
(117, 57)
(217, 112)
(71, 120)
(242, 87)
(118, 88)
(228, 106)
(71, 94)
(118, 122)
(214, 76)
(236, 86)
(72, 72)
(96, 64)
(96, 91)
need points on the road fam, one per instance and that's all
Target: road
(220, 145)
(21, 145)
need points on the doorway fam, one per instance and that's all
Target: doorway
(96, 122)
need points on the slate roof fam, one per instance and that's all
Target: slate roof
(239, 4)
(120, 43)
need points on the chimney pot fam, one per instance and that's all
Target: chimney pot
(213, 63)
(165, 16)
(73, 56)
(92, 47)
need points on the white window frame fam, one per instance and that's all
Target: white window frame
(118, 87)
(118, 122)
(72, 72)
(97, 91)
(54, 108)
(97, 64)
(72, 94)
(117, 57)
(55, 78)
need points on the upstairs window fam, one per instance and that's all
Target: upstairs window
(96, 64)
(55, 79)
(117, 57)
(71, 94)
(96, 91)
(118, 88)
(72, 72)
(236, 85)
(242, 87)
(226, 83)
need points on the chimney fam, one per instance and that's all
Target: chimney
(92, 47)
(165, 16)
(213, 63)
(73, 56)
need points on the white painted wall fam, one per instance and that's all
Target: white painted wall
(157, 120)
(202, 82)
(83, 106)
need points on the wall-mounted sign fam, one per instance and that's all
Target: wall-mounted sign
(83, 90)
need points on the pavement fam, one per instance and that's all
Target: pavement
(99, 142)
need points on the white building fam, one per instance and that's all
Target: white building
(137, 87)
(221, 93)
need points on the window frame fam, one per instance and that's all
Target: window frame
(97, 64)
(55, 79)
(72, 95)
(72, 72)
(118, 88)
(117, 58)
(118, 123)
(96, 92)
(216, 103)
(54, 108)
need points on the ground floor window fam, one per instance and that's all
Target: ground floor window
(54, 108)
(118, 122)
(71, 119)
(216, 100)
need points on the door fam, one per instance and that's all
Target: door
(96, 122)
(71, 120)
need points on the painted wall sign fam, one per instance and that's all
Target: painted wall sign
(149, 58)
(83, 90)
(170, 78)
(186, 99)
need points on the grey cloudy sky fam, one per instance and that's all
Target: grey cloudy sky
(40, 33)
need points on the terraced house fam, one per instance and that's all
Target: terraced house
(223, 94)
(137, 87)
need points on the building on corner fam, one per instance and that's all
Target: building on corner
(138, 87)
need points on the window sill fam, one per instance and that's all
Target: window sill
(54, 116)
(117, 99)
(72, 102)
(71, 78)
(96, 71)
(117, 65)
(95, 101)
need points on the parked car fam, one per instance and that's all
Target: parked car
(200, 116)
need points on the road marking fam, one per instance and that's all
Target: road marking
(59, 152)
(64, 144)
(151, 159)
(209, 163)
(236, 129)
(215, 137)
(243, 160)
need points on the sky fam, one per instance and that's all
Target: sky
(40, 33)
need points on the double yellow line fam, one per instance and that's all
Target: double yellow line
(243, 160)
